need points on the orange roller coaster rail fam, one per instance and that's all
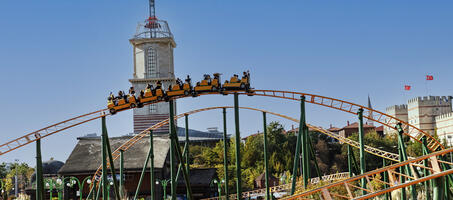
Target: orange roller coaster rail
(374, 115)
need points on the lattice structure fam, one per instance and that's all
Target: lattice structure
(373, 115)
(353, 190)
(50, 130)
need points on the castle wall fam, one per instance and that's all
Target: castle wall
(444, 127)
(397, 111)
(423, 110)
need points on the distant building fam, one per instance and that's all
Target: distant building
(397, 111)
(260, 181)
(423, 110)
(349, 129)
(430, 114)
(86, 158)
(444, 126)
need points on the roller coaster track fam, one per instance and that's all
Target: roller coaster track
(125, 146)
(286, 187)
(345, 106)
(353, 189)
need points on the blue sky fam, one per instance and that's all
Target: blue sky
(60, 59)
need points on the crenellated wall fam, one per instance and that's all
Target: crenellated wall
(423, 110)
(398, 111)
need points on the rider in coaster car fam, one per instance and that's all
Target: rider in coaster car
(132, 91)
(188, 79)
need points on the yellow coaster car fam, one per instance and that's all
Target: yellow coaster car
(209, 85)
(235, 84)
(121, 104)
(176, 90)
(149, 97)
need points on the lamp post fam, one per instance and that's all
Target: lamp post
(164, 185)
(49, 183)
(2, 188)
(219, 185)
(73, 180)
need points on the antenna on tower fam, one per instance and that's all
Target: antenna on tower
(152, 9)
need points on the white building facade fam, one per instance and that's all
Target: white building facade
(153, 47)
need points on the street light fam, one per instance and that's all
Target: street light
(219, 185)
(164, 185)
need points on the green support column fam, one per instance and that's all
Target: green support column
(404, 157)
(387, 196)
(150, 154)
(186, 153)
(305, 150)
(172, 155)
(39, 173)
(313, 156)
(362, 150)
(298, 147)
(110, 157)
(402, 178)
(266, 172)
(426, 172)
(225, 154)
(98, 193)
(238, 147)
(104, 162)
(350, 167)
(151, 165)
(121, 173)
(176, 150)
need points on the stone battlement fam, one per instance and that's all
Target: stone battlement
(444, 116)
(430, 100)
(397, 107)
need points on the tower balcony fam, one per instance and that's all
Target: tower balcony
(153, 28)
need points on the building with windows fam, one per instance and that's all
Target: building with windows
(432, 114)
(152, 46)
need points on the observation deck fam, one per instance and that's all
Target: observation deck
(153, 28)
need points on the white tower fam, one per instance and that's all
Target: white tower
(153, 46)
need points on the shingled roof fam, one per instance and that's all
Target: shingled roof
(86, 156)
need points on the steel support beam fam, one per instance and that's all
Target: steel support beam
(426, 172)
(150, 152)
(225, 153)
(104, 162)
(39, 173)
(172, 153)
(313, 156)
(238, 147)
(404, 157)
(186, 153)
(121, 173)
(110, 157)
(298, 147)
(385, 174)
(350, 167)
(362, 150)
(266, 164)
(179, 157)
(151, 165)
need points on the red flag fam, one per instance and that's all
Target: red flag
(429, 77)
(407, 87)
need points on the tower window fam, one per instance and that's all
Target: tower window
(151, 71)
(152, 108)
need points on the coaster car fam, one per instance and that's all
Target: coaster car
(176, 90)
(121, 103)
(208, 84)
(235, 83)
(150, 96)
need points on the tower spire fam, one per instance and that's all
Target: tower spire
(152, 9)
(371, 113)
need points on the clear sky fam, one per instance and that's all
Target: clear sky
(60, 59)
